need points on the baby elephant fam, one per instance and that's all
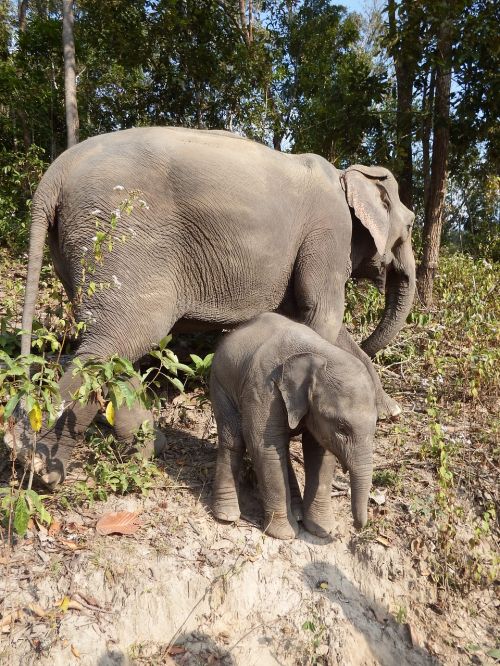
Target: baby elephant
(271, 379)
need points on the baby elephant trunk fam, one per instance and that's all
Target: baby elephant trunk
(361, 480)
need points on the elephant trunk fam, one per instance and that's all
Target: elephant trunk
(399, 294)
(361, 480)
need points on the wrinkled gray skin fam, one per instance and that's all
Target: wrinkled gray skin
(271, 379)
(233, 229)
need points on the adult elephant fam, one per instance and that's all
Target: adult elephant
(231, 229)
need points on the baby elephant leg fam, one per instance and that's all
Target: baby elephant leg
(225, 505)
(127, 423)
(319, 465)
(271, 464)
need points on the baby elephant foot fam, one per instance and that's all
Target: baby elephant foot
(387, 407)
(280, 527)
(319, 521)
(18, 438)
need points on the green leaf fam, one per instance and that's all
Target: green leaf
(185, 369)
(11, 405)
(164, 342)
(197, 359)
(21, 515)
(495, 653)
(177, 383)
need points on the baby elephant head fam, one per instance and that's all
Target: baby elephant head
(334, 398)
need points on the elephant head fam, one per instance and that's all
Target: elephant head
(381, 246)
(335, 400)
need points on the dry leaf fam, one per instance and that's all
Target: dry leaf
(177, 649)
(382, 540)
(37, 610)
(66, 604)
(75, 651)
(71, 545)
(378, 497)
(119, 522)
(55, 527)
(9, 619)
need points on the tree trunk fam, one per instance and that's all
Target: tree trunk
(437, 189)
(427, 104)
(250, 21)
(72, 122)
(404, 65)
(23, 6)
(243, 21)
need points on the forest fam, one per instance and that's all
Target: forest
(409, 85)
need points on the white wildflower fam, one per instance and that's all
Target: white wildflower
(143, 204)
(84, 249)
(96, 211)
(94, 238)
(116, 281)
(61, 408)
(117, 213)
(118, 188)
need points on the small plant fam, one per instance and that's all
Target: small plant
(111, 471)
(17, 506)
(317, 630)
(385, 478)
(401, 615)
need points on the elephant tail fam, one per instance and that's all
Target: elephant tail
(43, 214)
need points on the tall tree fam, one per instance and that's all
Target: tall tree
(445, 29)
(71, 105)
(405, 47)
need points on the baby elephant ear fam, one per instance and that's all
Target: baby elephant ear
(295, 380)
(366, 195)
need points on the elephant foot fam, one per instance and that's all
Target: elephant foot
(227, 511)
(280, 527)
(319, 522)
(18, 438)
(387, 407)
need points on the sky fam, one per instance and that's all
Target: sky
(353, 5)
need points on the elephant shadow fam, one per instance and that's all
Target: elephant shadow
(190, 463)
(387, 639)
(193, 649)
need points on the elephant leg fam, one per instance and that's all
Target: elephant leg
(225, 505)
(386, 406)
(54, 445)
(319, 287)
(111, 332)
(270, 459)
(319, 465)
(127, 423)
(295, 494)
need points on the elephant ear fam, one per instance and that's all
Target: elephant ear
(295, 380)
(365, 194)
